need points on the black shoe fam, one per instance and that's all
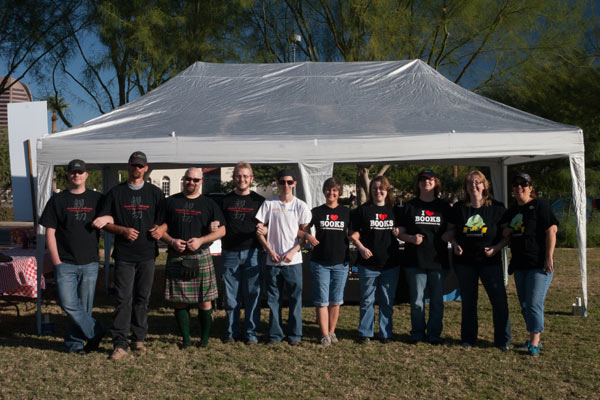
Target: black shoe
(228, 340)
(94, 343)
(293, 342)
(185, 345)
(385, 340)
(272, 343)
(80, 352)
(250, 342)
(364, 340)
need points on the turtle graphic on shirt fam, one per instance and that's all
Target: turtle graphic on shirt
(475, 225)
(516, 224)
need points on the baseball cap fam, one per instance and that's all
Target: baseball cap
(426, 173)
(77, 165)
(522, 176)
(137, 157)
(286, 172)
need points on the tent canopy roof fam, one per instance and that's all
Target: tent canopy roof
(340, 112)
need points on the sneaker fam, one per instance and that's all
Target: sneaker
(527, 344)
(534, 351)
(333, 338)
(139, 347)
(293, 342)
(272, 342)
(80, 352)
(326, 341)
(251, 342)
(364, 340)
(503, 348)
(118, 354)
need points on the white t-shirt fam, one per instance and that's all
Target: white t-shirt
(284, 219)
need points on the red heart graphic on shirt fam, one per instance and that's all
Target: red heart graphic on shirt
(429, 213)
(333, 217)
(382, 216)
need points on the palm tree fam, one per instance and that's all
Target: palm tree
(57, 105)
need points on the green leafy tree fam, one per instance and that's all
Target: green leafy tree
(29, 31)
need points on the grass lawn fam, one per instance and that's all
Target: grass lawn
(36, 367)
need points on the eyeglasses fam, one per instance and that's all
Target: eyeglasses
(282, 182)
(138, 166)
(475, 183)
(189, 179)
(522, 184)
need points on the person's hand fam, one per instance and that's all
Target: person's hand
(261, 229)
(311, 239)
(214, 226)
(274, 256)
(157, 232)
(101, 222)
(194, 244)
(178, 245)
(131, 234)
(289, 256)
(365, 253)
(490, 251)
(457, 249)
(549, 265)
(417, 239)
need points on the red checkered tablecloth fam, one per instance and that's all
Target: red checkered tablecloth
(19, 277)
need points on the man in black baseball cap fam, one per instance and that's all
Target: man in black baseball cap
(138, 158)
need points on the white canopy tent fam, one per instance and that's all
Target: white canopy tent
(315, 115)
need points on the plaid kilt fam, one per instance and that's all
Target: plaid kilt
(196, 290)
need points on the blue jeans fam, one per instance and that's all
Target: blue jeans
(532, 286)
(275, 277)
(492, 278)
(328, 283)
(417, 279)
(383, 283)
(133, 286)
(242, 280)
(76, 285)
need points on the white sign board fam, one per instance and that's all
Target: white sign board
(26, 121)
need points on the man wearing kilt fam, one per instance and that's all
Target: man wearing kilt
(190, 274)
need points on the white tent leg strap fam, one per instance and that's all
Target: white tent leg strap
(313, 176)
(44, 191)
(577, 163)
(499, 186)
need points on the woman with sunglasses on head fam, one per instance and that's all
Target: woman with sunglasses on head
(329, 265)
(421, 224)
(371, 229)
(476, 234)
(532, 230)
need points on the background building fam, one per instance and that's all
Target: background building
(18, 93)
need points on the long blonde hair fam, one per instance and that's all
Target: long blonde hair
(485, 194)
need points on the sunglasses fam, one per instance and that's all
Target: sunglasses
(522, 184)
(138, 166)
(195, 180)
(282, 182)
(77, 172)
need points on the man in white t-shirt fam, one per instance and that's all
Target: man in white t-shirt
(284, 215)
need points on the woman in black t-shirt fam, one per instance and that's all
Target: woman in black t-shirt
(476, 234)
(329, 266)
(371, 229)
(421, 224)
(532, 229)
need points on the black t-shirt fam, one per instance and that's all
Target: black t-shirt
(429, 219)
(375, 225)
(72, 215)
(331, 225)
(191, 218)
(528, 241)
(137, 209)
(240, 213)
(476, 229)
